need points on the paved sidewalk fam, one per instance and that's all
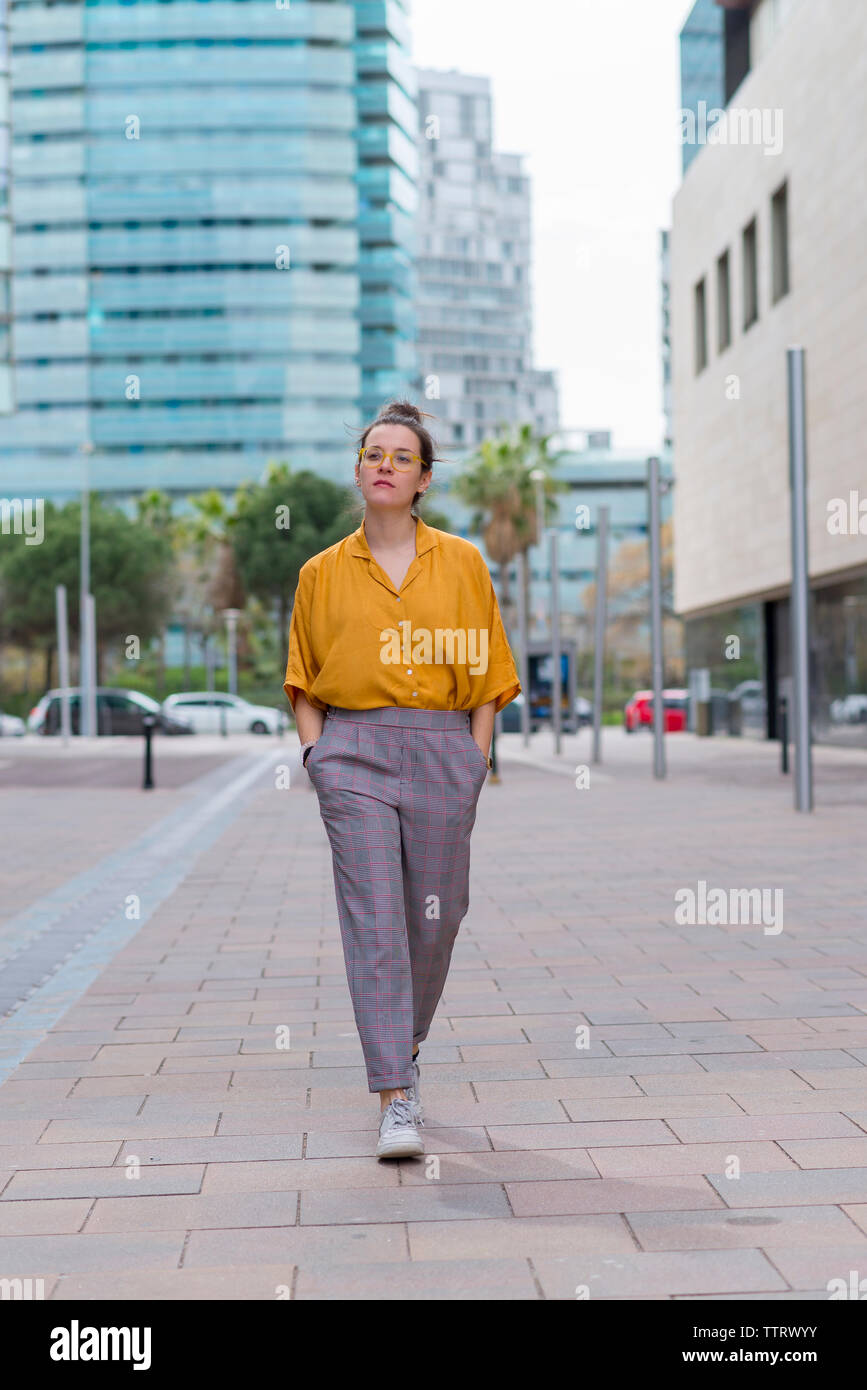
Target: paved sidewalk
(710, 1141)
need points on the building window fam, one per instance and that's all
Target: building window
(723, 303)
(751, 274)
(700, 327)
(780, 242)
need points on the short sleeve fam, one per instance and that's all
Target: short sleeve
(500, 682)
(301, 666)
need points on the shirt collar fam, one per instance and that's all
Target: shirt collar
(426, 538)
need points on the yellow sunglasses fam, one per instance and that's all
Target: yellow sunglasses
(401, 459)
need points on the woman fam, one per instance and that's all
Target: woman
(398, 662)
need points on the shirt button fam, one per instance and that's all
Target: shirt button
(409, 673)
(414, 693)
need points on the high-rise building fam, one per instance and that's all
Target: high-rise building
(475, 260)
(767, 250)
(5, 222)
(189, 254)
(388, 198)
(702, 67)
(665, 329)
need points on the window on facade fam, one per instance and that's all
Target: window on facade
(751, 274)
(723, 303)
(700, 309)
(780, 242)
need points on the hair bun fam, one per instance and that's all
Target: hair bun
(402, 408)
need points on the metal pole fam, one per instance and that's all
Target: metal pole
(148, 724)
(656, 618)
(232, 644)
(63, 660)
(89, 703)
(800, 600)
(523, 649)
(557, 671)
(599, 646)
(83, 591)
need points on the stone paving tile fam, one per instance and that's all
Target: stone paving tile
(148, 1126)
(819, 1185)
(220, 1148)
(585, 1134)
(435, 1201)
(470, 1279)
(815, 1268)
(509, 1165)
(237, 1283)
(764, 1227)
(640, 1162)
(827, 1153)
(102, 1182)
(285, 1175)
(611, 1195)
(30, 1256)
(223, 1211)
(643, 1275)
(311, 1246)
(57, 1156)
(43, 1218)
(778, 1127)
(711, 1104)
(532, 1237)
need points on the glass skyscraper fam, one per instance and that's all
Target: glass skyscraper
(387, 178)
(702, 64)
(190, 250)
(5, 223)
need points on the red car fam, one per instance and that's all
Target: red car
(638, 714)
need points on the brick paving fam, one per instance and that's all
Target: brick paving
(709, 1141)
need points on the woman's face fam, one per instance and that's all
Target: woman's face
(383, 485)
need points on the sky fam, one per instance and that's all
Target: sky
(588, 91)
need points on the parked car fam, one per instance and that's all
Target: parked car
(212, 712)
(117, 712)
(638, 713)
(851, 709)
(11, 726)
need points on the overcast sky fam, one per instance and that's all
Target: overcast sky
(588, 90)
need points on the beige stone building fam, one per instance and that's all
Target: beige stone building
(769, 250)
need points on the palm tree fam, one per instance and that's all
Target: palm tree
(497, 483)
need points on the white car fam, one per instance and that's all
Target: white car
(11, 726)
(215, 712)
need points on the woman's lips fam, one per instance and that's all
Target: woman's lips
(381, 482)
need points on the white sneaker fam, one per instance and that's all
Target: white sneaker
(398, 1136)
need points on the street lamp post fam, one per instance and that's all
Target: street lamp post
(232, 615)
(653, 487)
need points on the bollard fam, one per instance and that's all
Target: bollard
(148, 725)
(784, 735)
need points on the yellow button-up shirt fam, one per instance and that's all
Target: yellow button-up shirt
(438, 642)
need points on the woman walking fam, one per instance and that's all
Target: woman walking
(398, 662)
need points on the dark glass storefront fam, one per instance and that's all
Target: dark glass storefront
(747, 650)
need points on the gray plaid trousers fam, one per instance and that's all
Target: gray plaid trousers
(397, 790)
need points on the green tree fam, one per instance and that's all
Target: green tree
(496, 483)
(130, 578)
(277, 525)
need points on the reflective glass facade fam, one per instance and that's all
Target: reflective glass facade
(702, 64)
(5, 220)
(189, 241)
(387, 189)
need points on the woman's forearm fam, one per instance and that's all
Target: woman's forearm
(308, 719)
(482, 725)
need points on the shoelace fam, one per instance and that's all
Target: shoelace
(403, 1111)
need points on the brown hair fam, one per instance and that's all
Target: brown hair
(405, 413)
